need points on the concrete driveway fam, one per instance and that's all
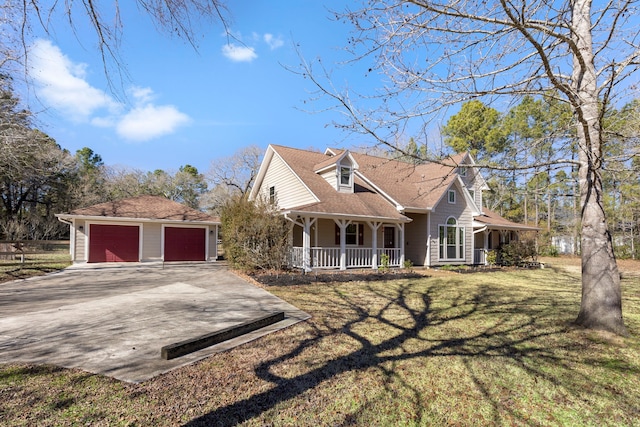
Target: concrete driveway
(114, 319)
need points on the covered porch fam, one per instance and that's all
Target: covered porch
(325, 242)
(491, 231)
(488, 239)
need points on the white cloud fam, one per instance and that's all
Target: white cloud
(142, 94)
(63, 85)
(272, 41)
(239, 53)
(150, 121)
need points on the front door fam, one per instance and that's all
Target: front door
(389, 237)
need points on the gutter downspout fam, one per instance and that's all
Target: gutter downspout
(72, 237)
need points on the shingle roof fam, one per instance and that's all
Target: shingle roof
(411, 186)
(145, 207)
(492, 219)
(364, 201)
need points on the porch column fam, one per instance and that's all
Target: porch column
(487, 233)
(427, 262)
(306, 243)
(342, 224)
(401, 238)
(375, 226)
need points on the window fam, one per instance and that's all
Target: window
(451, 197)
(473, 194)
(272, 194)
(451, 241)
(462, 170)
(352, 234)
(345, 175)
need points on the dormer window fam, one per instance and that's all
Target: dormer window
(338, 171)
(462, 170)
(272, 194)
(345, 176)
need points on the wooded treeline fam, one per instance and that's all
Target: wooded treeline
(538, 131)
(38, 178)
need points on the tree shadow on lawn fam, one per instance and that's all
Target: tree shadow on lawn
(489, 331)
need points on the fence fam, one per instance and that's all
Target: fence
(33, 250)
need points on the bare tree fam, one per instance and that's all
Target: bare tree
(436, 54)
(233, 175)
(177, 17)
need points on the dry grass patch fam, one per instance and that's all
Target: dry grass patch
(477, 349)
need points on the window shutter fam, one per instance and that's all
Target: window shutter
(360, 234)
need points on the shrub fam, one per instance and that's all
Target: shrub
(492, 257)
(384, 262)
(517, 251)
(254, 235)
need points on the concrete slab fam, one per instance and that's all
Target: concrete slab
(114, 319)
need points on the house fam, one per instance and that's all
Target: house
(355, 210)
(144, 228)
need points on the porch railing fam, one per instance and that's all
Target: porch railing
(324, 258)
(355, 257)
(393, 254)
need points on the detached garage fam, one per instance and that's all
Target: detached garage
(139, 229)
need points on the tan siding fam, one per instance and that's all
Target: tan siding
(290, 192)
(416, 235)
(213, 243)
(151, 242)
(326, 233)
(327, 237)
(81, 238)
(473, 181)
(463, 215)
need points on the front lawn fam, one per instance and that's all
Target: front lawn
(479, 349)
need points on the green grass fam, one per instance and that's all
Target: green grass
(478, 349)
(34, 265)
(15, 271)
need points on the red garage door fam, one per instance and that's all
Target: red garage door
(184, 244)
(114, 243)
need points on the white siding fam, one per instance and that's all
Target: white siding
(290, 192)
(331, 177)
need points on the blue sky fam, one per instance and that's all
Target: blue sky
(176, 106)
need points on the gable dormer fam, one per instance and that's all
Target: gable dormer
(472, 179)
(338, 170)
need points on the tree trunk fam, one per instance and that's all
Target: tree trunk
(601, 305)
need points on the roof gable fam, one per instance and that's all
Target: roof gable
(334, 160)
(401, 185)
(364, 200)
(276, 151)
(410, 186)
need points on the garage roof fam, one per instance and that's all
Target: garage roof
(143, 207)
